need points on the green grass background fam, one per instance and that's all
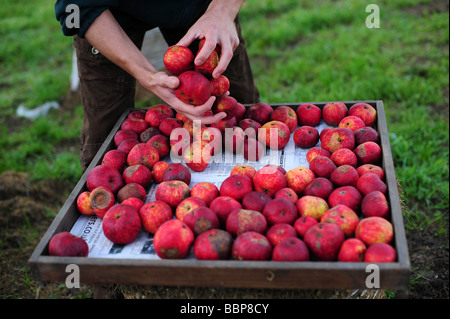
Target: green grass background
(300, 51)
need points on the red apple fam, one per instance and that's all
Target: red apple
(251, 246)
(240, 112)
(84, 204)
(219, 85)
(277, 232)
(145, 136)
(352, 250)
(286, 115)
(306, 136)
(121, 224)
(154, 214)
(344, 156)
(344, 217)
(173, 240)
(201, 219)
(334, 112)
(243, 169)
(324, 241)
(312, 206)
(177, 172)
(320, 187)
(135, 202)
(206, 191)
(309, 114)
(168, 125)
(178, 59)
(138, 114)
(214, 244)
(322, 166)
(346, 195)
(135, 125)
(208, 66)
(274, 134)
(234, 139)
(197, 156)
(227, 104)
(65, 244)
(161, 144)
(373, 230)
(255, 200)
(352, 122)
(236, 186)
(104, 175)
(240, 221)
(364, 111)
(126, 145)
(252, 149)
(180, 140)
(375, 204)
(172, 192)
(368, 153)
(371, 168)
(338, 138)
(303, 223)
(269, 179)
(131, 190)
(287, 193)
(138, 173)
(194, 88)
(380, 253)
(122, 135)
(213, 137)
(158, 171)
(297, 178)
(280, 210)
(370, 182)
(223, 206)
(101, 199)
(144, 154)
(315, 151)
(366, 134)
(259, 112)
(224, 124)
(187, 206)
(291, 249)
(344, 175)
(156, 113)
(250, 127)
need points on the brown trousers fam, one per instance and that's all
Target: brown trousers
(107, 90)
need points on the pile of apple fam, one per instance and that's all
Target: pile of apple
(334, 210)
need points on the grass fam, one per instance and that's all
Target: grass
(300, 51)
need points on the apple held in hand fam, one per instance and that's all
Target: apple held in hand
(178, 59)
(67, 245)
(219, 85)
(194, 88)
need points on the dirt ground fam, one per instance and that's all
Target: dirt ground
(27, 208)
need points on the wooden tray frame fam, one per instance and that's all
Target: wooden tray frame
(228, 273)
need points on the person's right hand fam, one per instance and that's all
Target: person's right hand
(163, 85)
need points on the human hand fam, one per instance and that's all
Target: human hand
(217, 27)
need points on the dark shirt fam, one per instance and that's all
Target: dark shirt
(131, 14)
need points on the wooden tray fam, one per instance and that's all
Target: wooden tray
(228, 273)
